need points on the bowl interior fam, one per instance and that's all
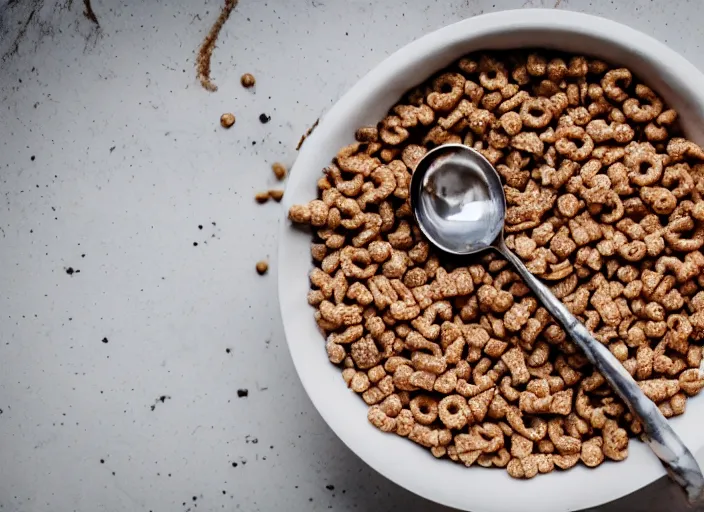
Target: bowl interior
(675, 79)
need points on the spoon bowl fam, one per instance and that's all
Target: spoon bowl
(459, 200)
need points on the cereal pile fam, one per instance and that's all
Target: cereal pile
(604, 203)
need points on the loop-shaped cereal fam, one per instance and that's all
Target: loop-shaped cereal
(638, 157)
(424, 409)
(535, 432)
(679, 148)
(613, 81)
(635, 111)
(564, 444)
(392, 132)
(678, 174)
(385, 182)
(659, 199)
(566, 147)
(454, 412)
(536, 112)
(349, 159)
(447, 92)
(349, 188)
(492, 74)
(674, 235)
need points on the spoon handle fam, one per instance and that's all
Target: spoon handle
(663, 440)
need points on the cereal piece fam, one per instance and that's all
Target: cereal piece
(639, 113)
(526, 467)
(276, 195)
(592, 453)
(454, 412)
(445, 101)
(279, 170)
(424, 409)
(615, 441)
(613, 81)
(263, 197)
(536, 112)
(227, 120)
(247, 80)
(691, 381)
(262, 267)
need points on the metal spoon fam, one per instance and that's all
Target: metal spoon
(459, 204)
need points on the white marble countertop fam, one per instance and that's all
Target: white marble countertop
(118, 383)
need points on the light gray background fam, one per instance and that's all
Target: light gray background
(127, 218)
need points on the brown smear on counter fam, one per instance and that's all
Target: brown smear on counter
(90, 13)
(305, 135)
(208, 45)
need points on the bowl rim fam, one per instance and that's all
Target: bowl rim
(535, 496)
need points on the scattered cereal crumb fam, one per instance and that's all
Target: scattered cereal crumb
(105, 340)
(208, 45)
(279, 170)
(262, 267)
(276, 195)
(261, 197)
(247, 80)
(227, 120)
(263, 118)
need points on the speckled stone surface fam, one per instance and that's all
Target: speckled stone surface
(130, 310)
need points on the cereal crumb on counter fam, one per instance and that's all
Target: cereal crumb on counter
(227, 120)
(276, 194)
(247, 80)
(262, 267)
(279, 170)
(261, 197)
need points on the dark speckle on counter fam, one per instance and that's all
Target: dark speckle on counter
(162, 399)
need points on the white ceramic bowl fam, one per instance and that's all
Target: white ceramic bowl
(475, 489)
